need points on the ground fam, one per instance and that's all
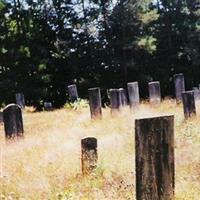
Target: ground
(46, 163)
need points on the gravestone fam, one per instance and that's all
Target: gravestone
(13, 122)
(89, 155)
(48, 106)
(196, 93)
(123, 94)
(154, 92)
(1, 117)
(189, 106)
(73, 93)
(155, 158)
(115, 101)
(179, 83)
(95, 103)
(133, 94)
(20, 100)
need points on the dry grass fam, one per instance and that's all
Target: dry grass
(46, 163)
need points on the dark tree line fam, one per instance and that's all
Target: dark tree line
(46, 45)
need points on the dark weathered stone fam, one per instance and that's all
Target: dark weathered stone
(123, 94)
(133, 93)
(95, 103)
(89, 155)
(189, 104)
(73, 93)
(48, 106)
(13, 122)
(154, 92)
(115, 101)
(155, 158)
(1, 117)
(20, 100)
(179, 83)
(196, 93)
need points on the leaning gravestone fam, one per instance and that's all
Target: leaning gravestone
(154, 92)
(189, 106)
(73, 93)
(179, 83)
(20, 99)
(48, 106)
(123, 94)
(95, 103)
(13, 122)
(115, 101)
(133, 93)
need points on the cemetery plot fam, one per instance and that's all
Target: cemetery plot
(66, 154)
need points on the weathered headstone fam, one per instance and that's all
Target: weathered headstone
(1, 117)
(133, 93)
(189, 106)
(73, 93)
(115, 101)
(20, 100)
(89, 155)
(48, 106)
(13, 122)
(154, 92)
(123, 94)
(179, 83)
(155, 158)
(95, 103)
(196, 93)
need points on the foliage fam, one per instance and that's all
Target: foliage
(77, 105)
(46, 45)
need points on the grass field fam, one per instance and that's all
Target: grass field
(46, 163)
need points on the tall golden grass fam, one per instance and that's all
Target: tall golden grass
(46, 163)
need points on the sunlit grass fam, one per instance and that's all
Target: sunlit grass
(46, 163)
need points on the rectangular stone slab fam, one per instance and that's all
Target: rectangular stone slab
(154, 143)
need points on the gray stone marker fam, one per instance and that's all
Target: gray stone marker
(133, 93)
(73, 93)
(20, 100)
(13, 122)
(115, 101)
(196, 93)
(155, 166)
(189, 107)
(89, 155)
(154, 92)
(179, 84)
(95, 103)
(48, 106)
(123, 94)
(1, 117)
